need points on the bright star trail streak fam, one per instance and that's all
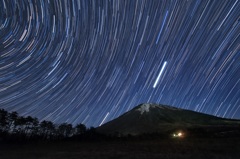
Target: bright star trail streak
(159, 75)
(89, 61)
(104, 119)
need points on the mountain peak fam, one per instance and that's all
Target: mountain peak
(145, 107)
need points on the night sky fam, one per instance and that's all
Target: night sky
(89, 61)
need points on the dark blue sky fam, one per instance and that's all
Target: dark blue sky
(90, 61)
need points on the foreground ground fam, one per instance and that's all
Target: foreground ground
(206, 148)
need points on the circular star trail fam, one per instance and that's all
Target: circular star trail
(89, 61)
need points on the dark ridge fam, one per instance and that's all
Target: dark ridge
(156, 118)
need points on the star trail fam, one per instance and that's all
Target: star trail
(89, 61)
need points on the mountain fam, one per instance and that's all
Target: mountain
(154, 118)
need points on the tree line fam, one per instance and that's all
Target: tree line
(13, 126)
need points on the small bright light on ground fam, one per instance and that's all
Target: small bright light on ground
(178, 134)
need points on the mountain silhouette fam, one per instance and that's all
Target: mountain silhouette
(155, 118)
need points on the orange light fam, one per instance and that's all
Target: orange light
(179, 134)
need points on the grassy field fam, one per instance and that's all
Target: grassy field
(206, 148)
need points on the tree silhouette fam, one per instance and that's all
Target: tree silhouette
(47, 129)
(35, 127)
(3, 120)
(13, 126)
(80, 129)
(12, 119)
(65, 130)
(20, 125)
(43, 127)
(28, 125)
